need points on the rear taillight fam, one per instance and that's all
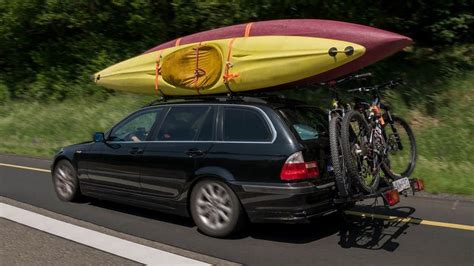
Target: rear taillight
(419, 185)
(392, 197)
(295, 168)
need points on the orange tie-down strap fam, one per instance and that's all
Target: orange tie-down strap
(197, 71)
(248, 27)
(229, 76)
(157, 72)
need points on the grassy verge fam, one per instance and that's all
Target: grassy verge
(444, 137)
(41, 129)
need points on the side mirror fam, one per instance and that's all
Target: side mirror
(98, 137)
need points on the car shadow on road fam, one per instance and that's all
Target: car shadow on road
(296, 233)
(371, 233)
(353, 231)
(290, 233)
(142, 212)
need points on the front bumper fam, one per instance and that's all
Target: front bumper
(287, 202)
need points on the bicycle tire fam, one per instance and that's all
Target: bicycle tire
(408, 170)
(342, 182)
(352, 160)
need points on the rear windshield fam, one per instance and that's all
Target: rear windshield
(309, 123)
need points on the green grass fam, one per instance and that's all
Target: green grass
(444, 129)
(445, 139)
(41, 129)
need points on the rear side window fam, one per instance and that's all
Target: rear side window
(245, 124)
(310, 123)
(187, 123)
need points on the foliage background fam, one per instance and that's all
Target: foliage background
(48, 48)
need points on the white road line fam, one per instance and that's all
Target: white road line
(114, 245)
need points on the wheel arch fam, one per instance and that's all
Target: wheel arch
(213, 173)
(60, 158)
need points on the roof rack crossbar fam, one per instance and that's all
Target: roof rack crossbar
(246, 97)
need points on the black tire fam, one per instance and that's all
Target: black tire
(342, 181)
(354, 161)
(204, 217)
(65, 181)
(407, 138)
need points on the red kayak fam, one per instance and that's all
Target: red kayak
(378, 43)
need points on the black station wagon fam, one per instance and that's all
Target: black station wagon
(223, 161)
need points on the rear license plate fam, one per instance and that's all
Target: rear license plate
(401, 184)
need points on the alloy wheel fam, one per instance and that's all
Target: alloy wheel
(214, 206)
(65, 181)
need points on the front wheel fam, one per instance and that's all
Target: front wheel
(400, 159)
(65, 181)
(215, 208)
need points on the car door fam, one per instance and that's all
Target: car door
(178, 145)
(247, 145)
(117, 166)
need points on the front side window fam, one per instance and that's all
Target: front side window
(136, 128)
(187, 123)
(245, 124)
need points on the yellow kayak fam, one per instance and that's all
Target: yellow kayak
(228, 65)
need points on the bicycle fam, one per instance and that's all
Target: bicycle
(372, 138)
(338, 111)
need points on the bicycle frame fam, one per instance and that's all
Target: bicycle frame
(378, 112)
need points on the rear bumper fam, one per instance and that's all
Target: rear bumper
(286, 203)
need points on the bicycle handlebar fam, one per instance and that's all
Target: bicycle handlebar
(387, 85)
(347, 78)
(364, 75)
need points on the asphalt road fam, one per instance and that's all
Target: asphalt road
(35, 247)
(330, 240)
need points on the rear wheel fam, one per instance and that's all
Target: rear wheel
(215, 208)
(400, 159)
(337, 159)
(358, 153)
(66, 184)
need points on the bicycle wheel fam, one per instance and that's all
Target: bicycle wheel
(400, 158)
(357, 151)
(337, 159)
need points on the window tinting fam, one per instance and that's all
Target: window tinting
(308, 122)
(186, 123)
(135, 128)
(208, 127)
(244, 124)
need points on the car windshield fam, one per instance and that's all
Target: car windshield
(309, 123)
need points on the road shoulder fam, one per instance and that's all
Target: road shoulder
(137, 240)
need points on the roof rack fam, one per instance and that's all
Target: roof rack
(240, 97)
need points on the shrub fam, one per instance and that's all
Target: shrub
(4, 93)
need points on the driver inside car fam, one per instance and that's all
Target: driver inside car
(139, 135)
